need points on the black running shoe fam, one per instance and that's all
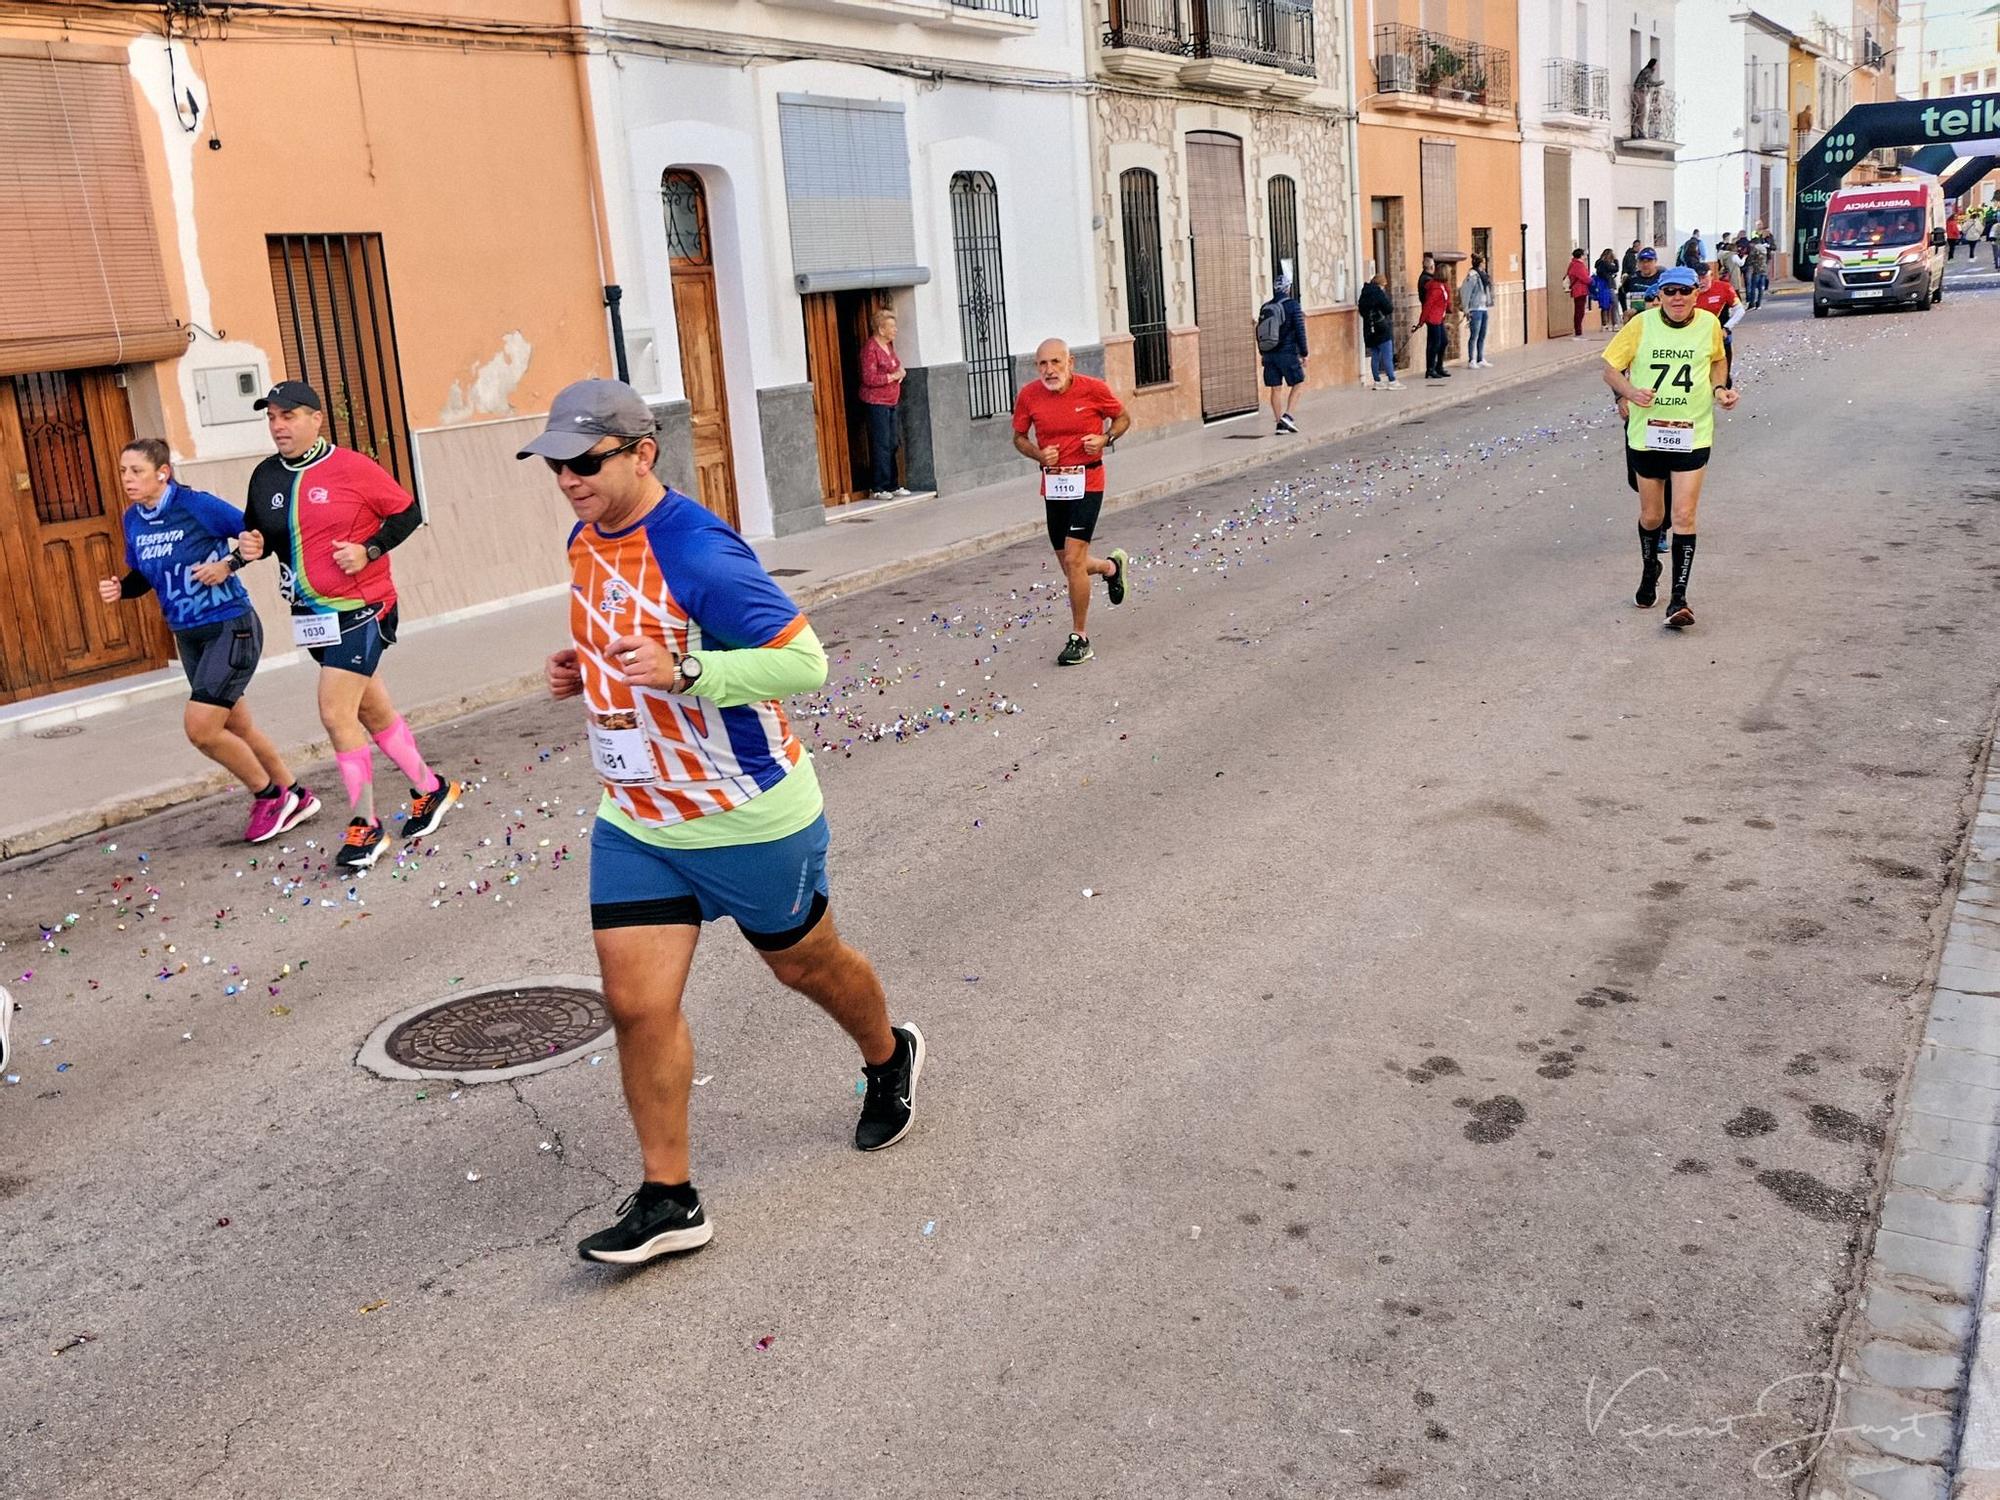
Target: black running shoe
(427, 809)
(362, 846)
(1077, 651)
(1115, 584)
(891, 1102)
(1679, 616)
(1649, 582)
(651, 1224)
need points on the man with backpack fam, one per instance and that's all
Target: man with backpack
(1281, 340)
(1691, 255)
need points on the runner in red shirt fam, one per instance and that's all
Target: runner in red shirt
(1067, 412)
(1716, 295)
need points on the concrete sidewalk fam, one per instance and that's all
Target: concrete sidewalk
(88, 760)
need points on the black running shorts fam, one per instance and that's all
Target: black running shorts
(1647, 464)
(1073, 518)
(221, 659)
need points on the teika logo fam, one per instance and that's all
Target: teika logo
(1982, 119)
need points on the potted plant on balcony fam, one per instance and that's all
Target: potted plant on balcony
(1440, 64)
(1472, 83)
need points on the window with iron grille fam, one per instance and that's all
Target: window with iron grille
(55, 436)
(1284, 196)
(982, 292)
(1145, 278)
(339, 336)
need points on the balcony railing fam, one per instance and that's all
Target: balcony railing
(1410, 60)
(1651, 114)
(1578, 89)
(1022, 10)
(1272, 33)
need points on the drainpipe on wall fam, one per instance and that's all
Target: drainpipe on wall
(600, 218)
(1354, 190)
(1524, 286)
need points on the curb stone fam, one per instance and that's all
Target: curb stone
(1919, 1371)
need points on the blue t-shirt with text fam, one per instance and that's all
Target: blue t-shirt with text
(164, 544)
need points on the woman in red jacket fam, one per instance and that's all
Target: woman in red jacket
(1436, 300)
(882, 375)
(1578, 277)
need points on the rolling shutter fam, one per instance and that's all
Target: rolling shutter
(1439, 178)
(79, 257)
(847, 188)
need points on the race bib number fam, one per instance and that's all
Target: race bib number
(619, 751)
(1062, 484)
(316, 630)
(1669, 437)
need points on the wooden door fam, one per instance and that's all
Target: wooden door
(1557, 242)
(826, 369)
(1220, 232)
(60, 503)
(692, 267)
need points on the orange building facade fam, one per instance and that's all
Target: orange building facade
(1436, 87)
(401, 215)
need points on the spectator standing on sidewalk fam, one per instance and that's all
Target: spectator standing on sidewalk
(1756, 272)
(1577, 278)
(882, 376)
(1475, 299)
(1285, 360)
(1378, 333)
(1953, 229)
(1629, 262)
(1436, 303)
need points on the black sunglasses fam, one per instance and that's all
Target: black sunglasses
(584, 465)
(1665, 291)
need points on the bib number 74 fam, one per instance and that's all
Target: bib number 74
(1683, 376)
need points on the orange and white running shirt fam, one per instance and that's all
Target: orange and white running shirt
(683, 577)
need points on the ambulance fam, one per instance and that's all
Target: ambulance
(1882, 246)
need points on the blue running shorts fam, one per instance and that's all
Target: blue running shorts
(775, 892)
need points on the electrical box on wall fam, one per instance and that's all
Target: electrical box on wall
(227, 395)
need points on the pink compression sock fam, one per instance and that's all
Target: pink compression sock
(357, 774)
(401, 746)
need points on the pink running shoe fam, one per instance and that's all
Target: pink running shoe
(267, 816)
(308, 805)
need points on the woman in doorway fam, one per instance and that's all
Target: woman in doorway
(1578, 278)
(882, 376)
(178, 545)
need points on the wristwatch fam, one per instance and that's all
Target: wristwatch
(374, 552)
(690, 674)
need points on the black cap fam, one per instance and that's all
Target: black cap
(289, 394)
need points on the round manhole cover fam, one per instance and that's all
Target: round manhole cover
(497, 1032)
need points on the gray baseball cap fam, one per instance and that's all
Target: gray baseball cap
(587, 411)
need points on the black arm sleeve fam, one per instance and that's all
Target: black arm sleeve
(398, 528)
(133, 584)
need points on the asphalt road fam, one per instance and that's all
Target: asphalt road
(1393, 997)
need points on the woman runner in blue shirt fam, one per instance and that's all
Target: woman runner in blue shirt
(177, 545)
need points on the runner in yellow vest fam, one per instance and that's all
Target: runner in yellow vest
(1670, 369)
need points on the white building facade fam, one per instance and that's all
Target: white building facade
(1598, 123)
(1735, 123)
(775, 172)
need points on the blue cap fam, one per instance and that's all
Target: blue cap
(1649, 253)
(1678, 276)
